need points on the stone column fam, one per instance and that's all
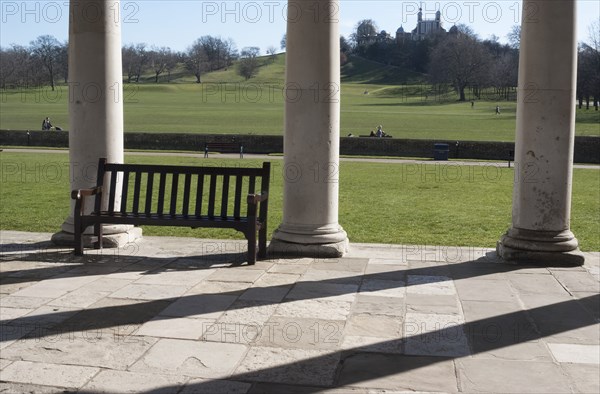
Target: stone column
(95, 103)
(312, 133)
(540, 231)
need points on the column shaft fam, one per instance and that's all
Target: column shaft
(95, 97)
(545, 132)
(312, 132)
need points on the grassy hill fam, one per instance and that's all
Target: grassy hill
(360, 70)
(371, 94)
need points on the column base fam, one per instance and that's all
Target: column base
(328, 241)
(127, 235)
(278, 248)
(546, 248)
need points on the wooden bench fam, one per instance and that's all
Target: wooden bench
(186, 196)
(224, 147)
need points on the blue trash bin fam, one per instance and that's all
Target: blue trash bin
(441, 151)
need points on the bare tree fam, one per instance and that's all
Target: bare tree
(47, 49)
(594, 35)
(272, 52)
(159, 59)
(514, 36)
(466, 30)
(8, 67)
(504, 73)
(63, 61)
(141, 60)
(365, 31)
(22, 68)
(219, 53)
(173, 60)
(196, 60)
(128, 58)
(135, 61)
(283, 42)
(460, 60)
(248, 65)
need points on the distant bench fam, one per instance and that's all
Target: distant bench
(224, 147)
(511, 157)
(181, 200)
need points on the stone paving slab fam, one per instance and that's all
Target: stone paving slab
(188, 315)
(378, 306)
(181, 328)
(573, 353)
(399, 373)
(191, 358)
(69, 376)
(95, 349)
(510, 376)
(302, 333)
(292, 366)
(584, 377)
(110, 381)
(196, 386)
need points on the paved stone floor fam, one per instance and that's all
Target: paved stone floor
(179, 315)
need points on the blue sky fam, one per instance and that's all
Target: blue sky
(176, 24)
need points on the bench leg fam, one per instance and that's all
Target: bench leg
(98, 233)
(262, 241)
(78, 236)
(251, 236)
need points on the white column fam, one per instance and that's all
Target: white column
(540, 231)
(312, 133)
(95, 99)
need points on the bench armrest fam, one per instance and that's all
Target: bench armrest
(256, 198)
(80, 193)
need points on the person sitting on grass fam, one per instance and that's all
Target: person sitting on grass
(46, 125)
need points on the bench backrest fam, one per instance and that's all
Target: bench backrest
(180, 190)
(224, 147)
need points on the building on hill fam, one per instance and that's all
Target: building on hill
(424, 28)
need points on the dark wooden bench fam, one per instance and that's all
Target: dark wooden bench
(224, 147)
(186, 196)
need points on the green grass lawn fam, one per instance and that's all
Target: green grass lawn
(416, 204)
(224, 103)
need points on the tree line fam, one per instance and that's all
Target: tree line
(45, 61)
(456, 60)
(459, 60)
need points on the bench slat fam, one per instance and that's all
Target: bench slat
(251, 190)
(170, 169)
(161, 193)
(225, 196)
(199, 194)
(100, 180)
(113, 191)
(124, 192)
(149, 186)
(186, 194)
(159, 220)
(211, 196)
(174, 187)
(136, 192)
(238, 196)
